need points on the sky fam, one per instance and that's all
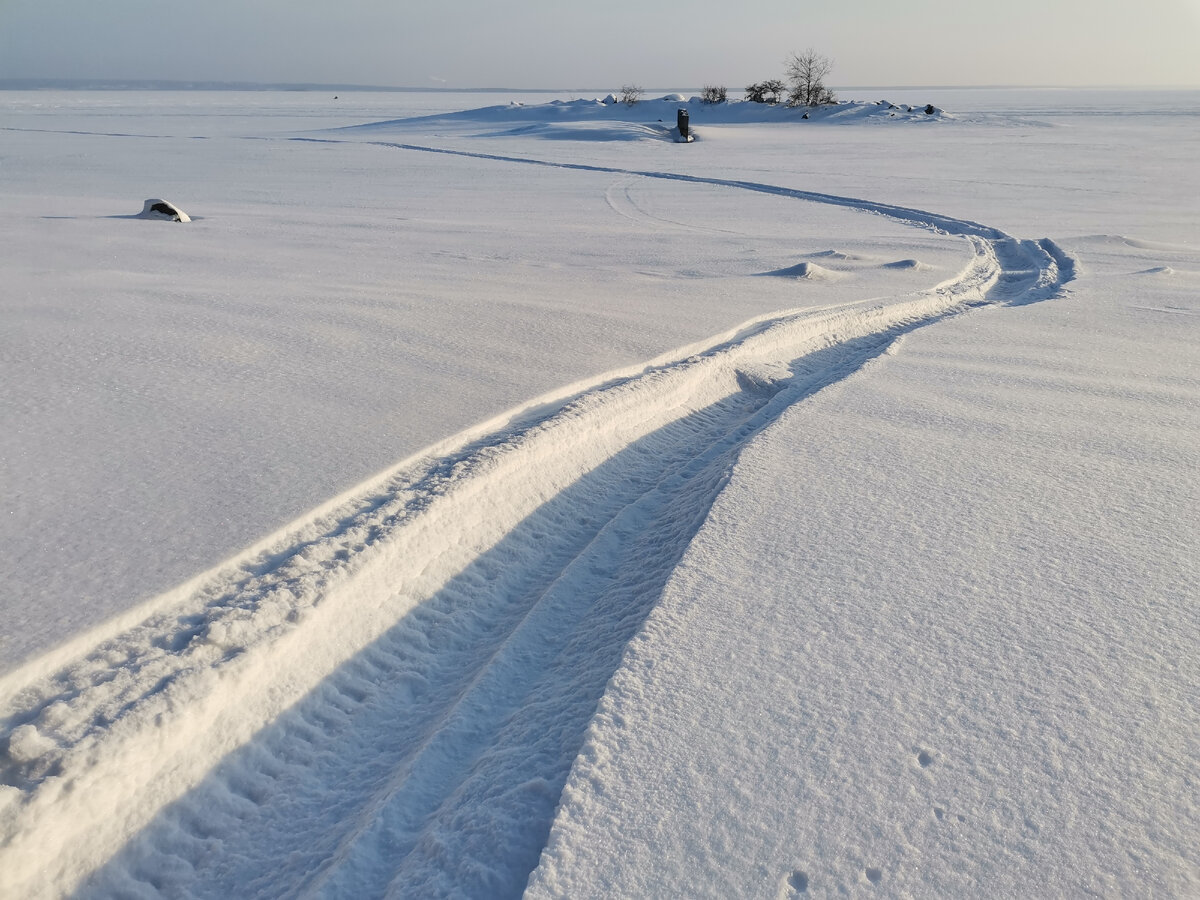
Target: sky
(551, 44)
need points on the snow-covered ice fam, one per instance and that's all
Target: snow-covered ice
(474, 498)
(936, 636)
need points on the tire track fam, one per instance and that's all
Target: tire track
(907, 215)
(620, 199)
(439, 639)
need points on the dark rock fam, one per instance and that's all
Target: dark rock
(155, 208)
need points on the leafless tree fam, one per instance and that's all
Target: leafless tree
(806, 74)
(713, 93)
(631, 94)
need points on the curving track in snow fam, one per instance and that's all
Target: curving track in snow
(390, 694)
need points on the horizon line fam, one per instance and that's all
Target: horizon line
(118, 84)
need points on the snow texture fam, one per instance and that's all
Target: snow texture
(879, 572)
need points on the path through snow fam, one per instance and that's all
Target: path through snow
(398, 687)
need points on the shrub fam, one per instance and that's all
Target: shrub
(768, 91)
(713, 93)
(631, 94)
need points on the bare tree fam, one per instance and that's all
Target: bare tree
(713, 93)
(806, 74)
(631, 94)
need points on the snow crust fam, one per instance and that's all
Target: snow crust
(674, 578)
(956, 663)
(654, 119)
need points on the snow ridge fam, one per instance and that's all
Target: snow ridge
(480, 595)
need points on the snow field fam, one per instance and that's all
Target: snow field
(333, 309)
(253, 647)
(956, 663)
(390, 695)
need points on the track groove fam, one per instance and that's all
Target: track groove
(441, 638)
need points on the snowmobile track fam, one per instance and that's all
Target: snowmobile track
(401, 681)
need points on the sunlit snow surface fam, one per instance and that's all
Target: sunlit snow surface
(808, 508)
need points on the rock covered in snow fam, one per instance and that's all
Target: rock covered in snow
(155, 208)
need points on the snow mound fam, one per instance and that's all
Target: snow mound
(156, 208)
(658, 111)
(1156, 270)
(908, 265)
(837, 254)
(589, 131)
(857, 111)
(807, 271)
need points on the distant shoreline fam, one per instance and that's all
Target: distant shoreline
(60, 84)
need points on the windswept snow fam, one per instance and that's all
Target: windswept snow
(808, 270)
(907, 265)
(252, 641)
(967, 669)
(332, 310)
(676, 579)
(653, 118)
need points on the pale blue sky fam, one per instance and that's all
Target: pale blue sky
(556, 44)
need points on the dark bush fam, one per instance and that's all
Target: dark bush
(768, 91)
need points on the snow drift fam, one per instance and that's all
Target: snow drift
(201, 674)
(882, 590)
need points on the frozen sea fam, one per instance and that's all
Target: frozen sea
(487, 493)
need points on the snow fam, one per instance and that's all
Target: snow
(322, 309)
(455, 506)
(967, 667)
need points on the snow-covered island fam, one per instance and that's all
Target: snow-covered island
(487, 500)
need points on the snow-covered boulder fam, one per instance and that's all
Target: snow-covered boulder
(155, 208)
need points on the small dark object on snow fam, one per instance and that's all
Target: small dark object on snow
(155, 208)
(681, 119)
(930, 109)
